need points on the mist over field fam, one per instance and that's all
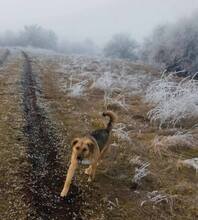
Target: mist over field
(143, 29)
(66, 68)
(98, 19)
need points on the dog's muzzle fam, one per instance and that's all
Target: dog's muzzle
(84, 162)
(79, 158)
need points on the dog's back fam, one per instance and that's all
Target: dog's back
(102, 135)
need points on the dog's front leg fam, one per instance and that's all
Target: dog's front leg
(69, 177)
(92, 172)
(88, 170)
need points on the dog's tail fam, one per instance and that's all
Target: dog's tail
(112, 117)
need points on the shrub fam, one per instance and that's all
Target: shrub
(174, 46)
(121, 46)
(174, 102)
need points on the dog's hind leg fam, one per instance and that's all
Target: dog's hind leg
(105, 150)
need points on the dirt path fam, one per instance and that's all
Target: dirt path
(4, 56)
(44, 177)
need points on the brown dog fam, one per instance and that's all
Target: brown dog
(89, 150)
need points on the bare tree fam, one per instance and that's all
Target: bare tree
(32, 35)
(37, 36)
(121, 46)
(174, 46)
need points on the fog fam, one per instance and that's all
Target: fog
(98, 20)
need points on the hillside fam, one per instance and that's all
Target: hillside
(47, 99)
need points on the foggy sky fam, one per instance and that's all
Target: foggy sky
(96, 19)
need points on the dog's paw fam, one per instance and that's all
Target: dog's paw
(63, 193)
(89, 179)
(88, 171)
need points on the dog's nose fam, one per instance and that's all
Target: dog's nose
(79, 158)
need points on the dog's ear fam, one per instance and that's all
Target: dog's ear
(91, 146)
(75, 141)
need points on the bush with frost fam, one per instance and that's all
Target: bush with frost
(141, 172)
(118, 100)
(76, 89)
(174, 46)
(121, 46)
(121, 132)
(174, 102)
(110, 82)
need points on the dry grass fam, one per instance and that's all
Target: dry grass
(77, 116)
(12, 153)
(168, 192)
(175, 142)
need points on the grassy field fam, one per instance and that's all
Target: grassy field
(140, 178)
(12, 148)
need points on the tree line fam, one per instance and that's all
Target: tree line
(173, 47)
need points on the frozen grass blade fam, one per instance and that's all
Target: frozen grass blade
(121, 133)
(155, 197)
(141, 172)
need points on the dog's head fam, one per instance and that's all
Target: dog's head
(82, 148)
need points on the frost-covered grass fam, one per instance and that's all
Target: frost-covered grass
(155, 197)
(117, 79)
(77, 89)
(135, 160)
(105, 82)
(141, 172)
(178, 140)
(175, 102)
(192, 163)
(119, 100)
(131, 83)
(121, 132)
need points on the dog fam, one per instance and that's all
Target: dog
(89, 150)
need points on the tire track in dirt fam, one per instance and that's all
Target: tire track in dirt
(45, 175)
(4, 57)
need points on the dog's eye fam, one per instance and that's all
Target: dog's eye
(77, 148)
(84, 149)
